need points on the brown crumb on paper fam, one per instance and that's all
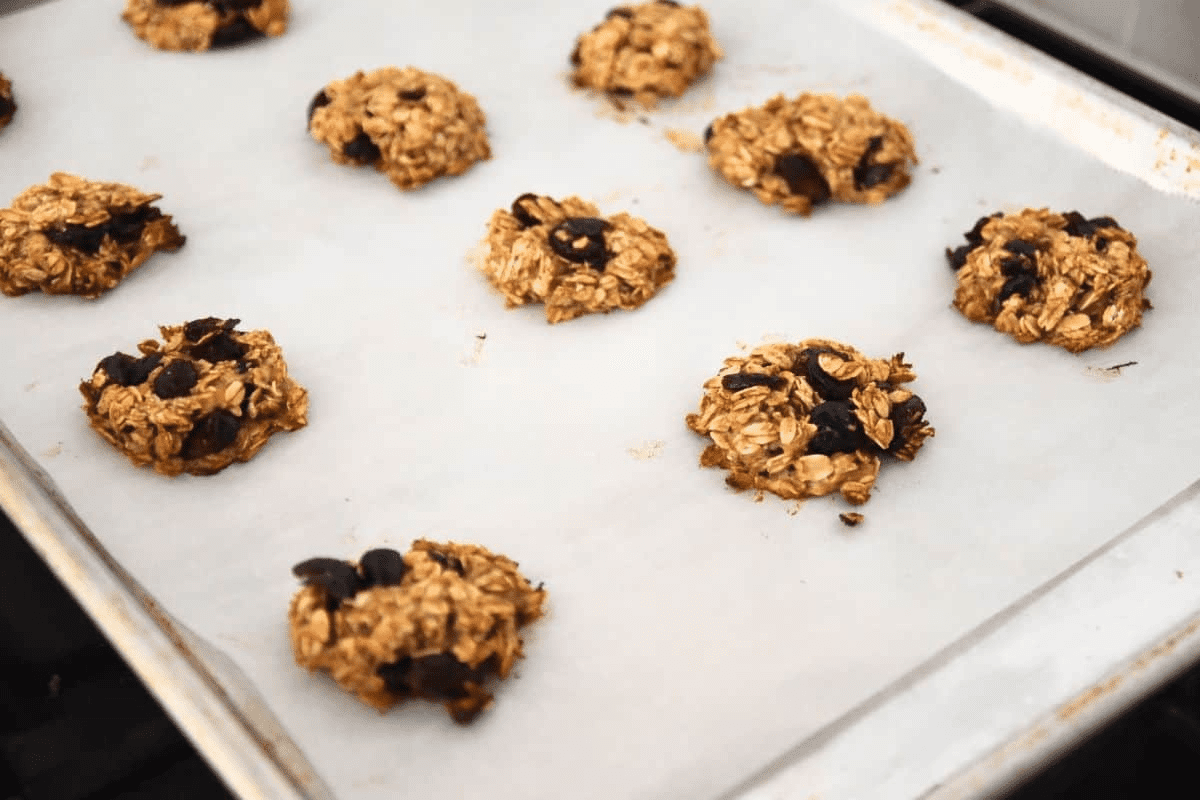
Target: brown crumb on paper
(75, 236)
(645, 52)
(564, 255)
(809, 419)
(802, 152)
(439, 622)
(204, 24)
(686, 141)
(851, 518)
(1056, 278)
(8, 106)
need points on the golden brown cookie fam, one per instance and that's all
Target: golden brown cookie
(8, 106)
(206, 396)
(75, 236)
(438, 622)
(799, 153)
(809, 419)
(1057, 278)
(565, 255)
(205, 24)
(412, 126)
(647, 51)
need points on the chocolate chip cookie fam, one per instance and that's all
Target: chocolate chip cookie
(439, 622)
(1058, 278)
(647, 51)
(205, 24)
(412, 126)
(206, 396)
(8, 106)
(809, 419)
(75, 236)
(800, 153)
(565, 255)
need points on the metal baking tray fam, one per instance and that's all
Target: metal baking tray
(1029, 575)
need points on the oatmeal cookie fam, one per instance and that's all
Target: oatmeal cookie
(206, 396)
(799, 153)
(647, 51)
(566, 256)
(809, 419)
(412, 126)
(1057, 278)
(8, 106)
(204, 24)
(437, 623)
(75, 236)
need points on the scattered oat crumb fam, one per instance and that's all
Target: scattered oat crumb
(475, 358)
(648, 450)
(1178, 574)
(759, 496)
(53, 451)
(477, 256)
(850, 518)
(936, 170)
(149, 162)
(29, 387)
(644, 120)
(686, 141)
(794, 508)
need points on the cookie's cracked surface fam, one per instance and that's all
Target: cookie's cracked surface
(646, 51)
(563, 254)
(1057, 278)
(75, 236)
(802, 152)
(8, 106)
(439, 622)
(809, 419)
(206, 396)
(205, 24)
(412, 126)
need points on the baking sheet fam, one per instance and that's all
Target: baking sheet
(694, 634)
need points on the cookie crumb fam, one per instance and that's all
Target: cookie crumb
(686, 141)
(851, 518)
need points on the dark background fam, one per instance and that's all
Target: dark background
(76, 724)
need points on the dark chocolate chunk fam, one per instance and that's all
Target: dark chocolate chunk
(221, 347)
(958, 256)
(838, 430)
(413, 95)
(197, 329)
(867, 174)
(619, 11)
(526, 219)
(738, 381)
(234, 5)
(1021, 283)
(171, 3)
(382, 567)
(669, 3)
(447, 562)
(7, 107)
(975, 235)
(708, 133)
(575, 59)
(1022, 248)
(1017, 266)
(320, 100)
(803, 177)
(248, 391)
(176, 380)
(236, 31)
(125, 370)
(1101, 244)
(339, 579)
(211, 434)
(124, 228)
(440, 675)
(361, 149)
(829, 388)
(78, 237)
(906, 418)
(1078, 226)
(621, 91)
(591, 230)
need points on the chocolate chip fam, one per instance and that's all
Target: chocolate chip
(1101, 244)
(78, 237)
(440, 675)
(867, 174)
(339, 579)
(802, 177)
(197, 329)
(236, 31)
(669, 3)
(738, 381)
(907, 418)
(361, 149)
(708, 133)
(176, 380)
(211, 434)
(320, 100)
(125, 370)
(7, 107)
(1016, 266)
(589, 229)
(234, 5)
(248, 390)
(526, 219)
(447, 562)
(1022, 248)
(808, 364)
(838, 430)
(1078, 226)
(958, 256)
(413, 94)
(619, 11)
(621, 91)
(975, 235)
(221, 347)
(1021, 283)
(382, 567)
(125, 227)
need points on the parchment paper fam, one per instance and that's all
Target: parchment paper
(694, 634)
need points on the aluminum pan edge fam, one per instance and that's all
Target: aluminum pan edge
(223, 717)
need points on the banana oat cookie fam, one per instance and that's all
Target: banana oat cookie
(412, 126)
(647, 51)
(204, 24)
(1057, 278)
(75, 236)
(206, 396)
(438, 623)
(8, 106)
(809, 419)
(799, 153)
(564, 255)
